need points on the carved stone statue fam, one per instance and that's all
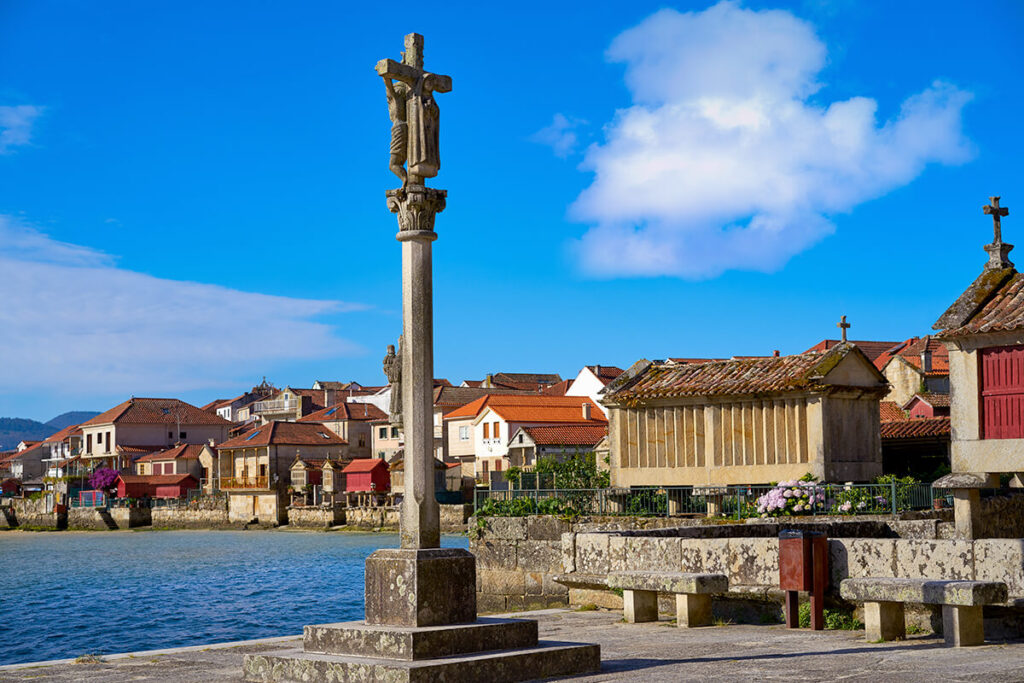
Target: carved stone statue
(393, 370)
(415, 116)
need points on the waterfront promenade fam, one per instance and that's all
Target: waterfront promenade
(654, 652)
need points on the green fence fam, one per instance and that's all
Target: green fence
(737, 502)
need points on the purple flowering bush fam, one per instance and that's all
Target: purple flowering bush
(103, 479)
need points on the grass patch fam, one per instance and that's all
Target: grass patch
(88, 659)
(589, 607)
(915, 630)
(835, 619)
(719, 621)
(617, 591)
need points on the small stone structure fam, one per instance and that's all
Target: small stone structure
(692, 591)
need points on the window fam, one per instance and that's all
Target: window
(463, 433)
(1002, 392)
(206, 473)
(497, 430)
(382, 433)
(108, 441)
(394, 432)
(520, 438)
(487, 430)
(497, 466)
(170, 435)
(362, 440)
(88, 443)
(182, 435)
(485, 467)
(263, 469)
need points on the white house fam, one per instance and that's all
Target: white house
(592, 379)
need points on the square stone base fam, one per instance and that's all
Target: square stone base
(547, 659)
(420, 587)
(358, 639)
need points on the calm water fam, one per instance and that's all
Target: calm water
(67, 594)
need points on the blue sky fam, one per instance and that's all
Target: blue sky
(192, 194)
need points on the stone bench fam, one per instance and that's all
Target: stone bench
(961, 601)
(693, 595)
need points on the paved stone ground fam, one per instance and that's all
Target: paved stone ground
(649, 652)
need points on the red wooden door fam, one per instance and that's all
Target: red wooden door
(1002, 392)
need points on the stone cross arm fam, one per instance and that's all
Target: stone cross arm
(389, 68)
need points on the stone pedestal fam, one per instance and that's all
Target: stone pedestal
(962, 626)
(693, 609)
(967, 499)
(639, 606)
(426, 587)
(884, 621)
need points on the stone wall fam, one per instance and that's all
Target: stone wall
(188, 518)
(455, 517)
(315, 517)
(25, 513)
(518, 557)
(372, 517)
(101, 519)
(1002, 517)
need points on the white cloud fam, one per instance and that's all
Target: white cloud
(16, 125)
(72, 322)
(724, 162)
(559, 135)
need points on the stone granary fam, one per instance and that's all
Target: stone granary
(747, 421)
(984, 333)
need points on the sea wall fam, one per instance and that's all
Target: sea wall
(186, 518)
(25, 513)
(315, 517)
(101, 519)
(453, 517)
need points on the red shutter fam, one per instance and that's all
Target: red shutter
(1002, 392)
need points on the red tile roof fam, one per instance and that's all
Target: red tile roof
(605, 373)
(453, 397)
(910, 351)
(732, 377)
(184, 451)
(285, 434)
(932, 399)
(126, 449)
(155, 411)
(527, 377)
(917, 428)
(871, 349)
(890, 410)
(558, 389)
(691, 361)
(532, 408)
(72, 430)
(362, 412)
(364, 465)
(567, 435)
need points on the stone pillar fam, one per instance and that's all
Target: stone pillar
(962, 626)
(639, 606)
(967, 512)
(884, 621)
(417, 206)
(693, 610)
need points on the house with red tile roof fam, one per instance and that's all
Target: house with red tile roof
(353, 422)
(520, 381)
(872, 349)
(747, 421)
(592, 379)
(182, 458)
(117, 437)
(261, 460)
(479, 431)
(918, 364)
(529, 444)
(927, 405)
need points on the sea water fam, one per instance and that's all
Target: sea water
(64, 594)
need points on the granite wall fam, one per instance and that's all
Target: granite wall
(31, 514)
(100, 519)
(188, 518)
(315, 517)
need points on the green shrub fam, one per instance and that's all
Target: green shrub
(835, 619)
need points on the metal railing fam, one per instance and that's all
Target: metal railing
(737, 502)
(275, 406)
(245, 482)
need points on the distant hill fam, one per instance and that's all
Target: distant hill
(15, 429)
(71, 418)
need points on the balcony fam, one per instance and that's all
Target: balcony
(275, 406)
(238, 483)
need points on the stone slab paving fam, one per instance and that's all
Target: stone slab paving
(652, 652)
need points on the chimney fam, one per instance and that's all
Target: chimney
(775, 353)
(597, 370)
(211, 442)
(488, 381)
(586, 410)
(926, 358)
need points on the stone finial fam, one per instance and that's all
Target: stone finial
(998, 251)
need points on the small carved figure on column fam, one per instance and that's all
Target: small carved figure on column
(393, 370)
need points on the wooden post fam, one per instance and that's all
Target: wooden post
(819, 562)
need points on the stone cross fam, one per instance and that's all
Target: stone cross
(844, 326)
(415, 141)
(997, 212)
(415, 117)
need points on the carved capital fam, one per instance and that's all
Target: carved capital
(416, 206)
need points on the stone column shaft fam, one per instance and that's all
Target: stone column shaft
(420, 524)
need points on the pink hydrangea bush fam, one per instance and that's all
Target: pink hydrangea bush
(798, 497)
